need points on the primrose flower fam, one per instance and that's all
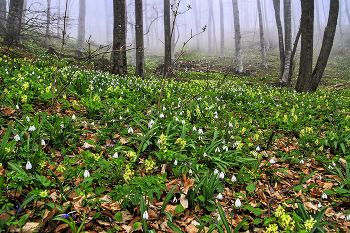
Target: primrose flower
(115, 155)
(43, 142)
(324, 196)
(31, 128)
(86, 174)
(222, 175)
(219, 196)
(130, 130)
(238, 203)
(28, 165)
(17, 138)
(234, 178)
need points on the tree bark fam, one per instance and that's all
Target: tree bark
(172, 17)
(2, 16)
(222, 30)
(167, 36)
(118, 56)
(238, 44)
(341, 28)
(81, 26)
(327, 44)
(140, 58)
(48, 19)
(197, 22)
(306, 55)
(262, 38)
(285, 80)
(317, 13)
(14, 23)
(277, 7)
(347, 10)
(267, 37)
(210, 34)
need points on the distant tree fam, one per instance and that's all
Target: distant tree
(341, 27)
(347, 10)
(309, 79)
(172, 17)
(318, 22)
(118, 56)
(167, 36)
(48, 17)
(210, 28)
(277, 7)
(14, 23)
(58, 17)
(267, 36)
(81, 25)
(2, 16)
(238, 44)
(222, 30)
(140, 58)
(262, 38)
(108, 30)
(197, 22)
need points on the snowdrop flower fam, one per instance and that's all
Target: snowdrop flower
(225, 148)
(17, 107)
(347, 218)
(115, 155)
(86, 174)
(235, 144)
(219, 218)
(200, 137)
(150, 124)
(164, 108)
(217, 149)
(28, 166)
(230, 124)
(272, 161)
(319, 205)
(205, 154)
(31, 128)
(92, 123)
(43, 142)
(145, 215)
(219, 196)
(333, 163)
(17, 138)
(200, 131)
(222, 175)
(194, 128)
(257, 148)
(233, 179)
(301, 162)
(255, 154)
(175, 199)
(176, 119)
(330, 167)
(62, 126)
(130, 130)
(120, 118)
(27, 118)
(238, 203)
(73, 117)
(161, 115)
(324, 196)
(183, 122)
(175, 162)
(216, 172)
(190, 172)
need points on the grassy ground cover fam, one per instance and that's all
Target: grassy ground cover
(222, 153)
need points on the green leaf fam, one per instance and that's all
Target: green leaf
(240, 225)
(170, 217)
(4, 142)
(210, 207)
(257, 221)
(136, 225)
(251, 187)
(179, 209)
(207, 218)
(174, 227)
(97, 215)
(118, 217)
(23, 219)
(167, 199)
(223, 218)
(16, 168)
(99, 190)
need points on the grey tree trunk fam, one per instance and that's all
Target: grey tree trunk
(267, 36)
(307, 34)
(146, 21)
(285, 80)
(341, 28)
(118, 56)
(133, 39)
(222, 30)
(58, 17)
(14, 23)
(172, 17)
(81, 25)
(197, 22)
(262, 38)
(140, 58)
(347, 10)
(48, 21)
(167, 37)
(277, 7)
(210, 34)
(238, 44)
(317, 13)
(2, 16)
(108, 29)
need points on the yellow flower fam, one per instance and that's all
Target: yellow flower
(6, 91)
(280, 211)
(302, 132)
(295, 118)
(243, 130)
(273, 228)
(285, 118)
(24, 98)
(25, 85)
(131, 154)
(43, 193)
(128, 172)
(48, 89)
(309, 224)
(162, 139)
(321, 148)
(96, 98)
(61, 169)
(149, 164)
(7, 149)
(42, 164)
(188, 114)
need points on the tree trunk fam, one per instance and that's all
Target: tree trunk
(2, 16)
(48, 18)
(172, 17)
(140, 58)
(58, 17)
(108, 30)
(81, 26)
(14, 23)
(277, 7)
(317, 13)
(238, 45)
(146, 22)
(210, 16)
(222, 30)
(341, 28)
(347, 10)
(167, 37)
(118, 56)
(262, 38)
(327, 44)
(197, 22)
(267, 36)
(285, 80)
(307, 33)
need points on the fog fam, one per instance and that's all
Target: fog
(99, 21)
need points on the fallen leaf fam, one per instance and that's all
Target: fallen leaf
(29, 227)
(184, 201)
(87, 146)
(188, 184)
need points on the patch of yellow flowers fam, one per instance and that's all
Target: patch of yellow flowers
(181, 142)
(128, 172)
(149, 163)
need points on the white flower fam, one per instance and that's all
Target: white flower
(176, 119)
(120, 118)
(225, 148)
(324, 196)
(31, 128)
(347, 218)
(92, 123)
(330, 167)
(205, 154)
(150, 124)
(115, 155)
(175, 199)
(183, 122)
(255, 154)
(219, 196)
(200, 138)
(217, 149)
(222, 175)
(190, 172)
(73, 117)
(62, 126)
(17, 138)
(200, 131)
(130, 130)
(28, 166)
(86, 174)
(233, 179)
(301, 162)
(219, 218)
(257, 148)
(28, 119)
(175, 162)
(238, 203)
(145, 215)
(43, 142)
(319, 205)
(161, 115)
(216, 172)
(164, 108)
(230, 124)
(194, 128)
(272, 161)
(235, 144)
(17, 107)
